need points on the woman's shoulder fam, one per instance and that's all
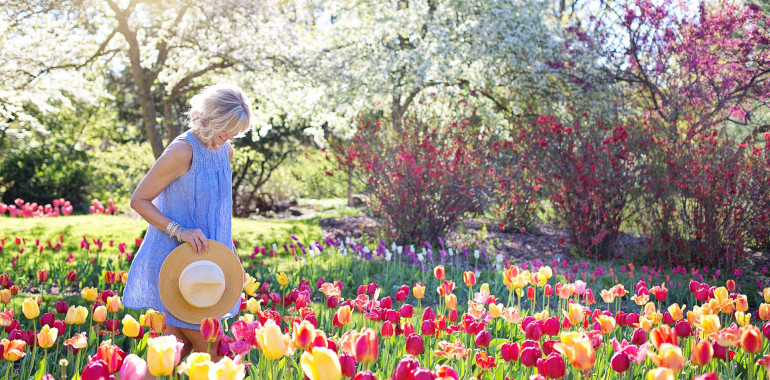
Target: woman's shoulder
(179, 149)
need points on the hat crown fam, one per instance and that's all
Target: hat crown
(202, 283)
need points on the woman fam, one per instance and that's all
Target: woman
(186, 197)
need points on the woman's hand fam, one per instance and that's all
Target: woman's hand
(196, 238)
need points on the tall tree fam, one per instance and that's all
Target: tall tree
(171, 47)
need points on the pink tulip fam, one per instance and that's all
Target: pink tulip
(134, 368)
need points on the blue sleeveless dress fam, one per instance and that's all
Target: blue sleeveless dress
(200, 198)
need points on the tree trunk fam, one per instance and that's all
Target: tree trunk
(350, 187)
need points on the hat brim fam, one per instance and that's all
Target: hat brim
(180, 258)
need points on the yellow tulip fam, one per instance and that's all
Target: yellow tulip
(253, 305)
(162, 355)
(764, 311)
(721, 294)
(90, 294)
(578, 349)
(81, 313)
(197, 366)
(47, 336)
(575, 314)
(495, 310)
(321, 364)
(154, 320)
(709, 324)
(282, 278)
(765, 293)
(226, 369)
(71, 315)
(676, 312)
(130, 326)
(606, 323)
(273, 342)
(100, 314)
(660, 373)
(645, 324)
(484, 288)
(30, 308)
(742, 318)
(250, 286)
(546, 272)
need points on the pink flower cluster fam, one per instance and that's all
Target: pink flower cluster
(28, 210)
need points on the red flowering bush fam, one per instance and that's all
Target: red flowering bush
(710, 200)
(426, 174)
(588, 173)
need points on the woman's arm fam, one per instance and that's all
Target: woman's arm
(174, 162)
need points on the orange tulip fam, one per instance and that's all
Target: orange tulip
(47, 336)
(77, 341)
(606, 323)
(469, 278)
(451, 301)
(660, 373)
(14, 349)
(751, 339)
(100, 314)
(579, 351)
(343, 315)
(741, 303)
(153, 320)
(439, 272)
(367, 346)
(729, 336)
(113, 304)
(663, 334)
(5, 296)
(669, 356)
(676, 312)
(418, 290)
(764, 311)
(607, 296)
(111, 354)
(702, 352)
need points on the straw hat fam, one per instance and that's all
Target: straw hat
(198, 286)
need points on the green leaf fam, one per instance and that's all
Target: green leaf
(42, 371)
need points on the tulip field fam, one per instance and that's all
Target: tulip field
(327, 309)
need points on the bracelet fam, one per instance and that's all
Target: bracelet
(178, 234)
(172, 228)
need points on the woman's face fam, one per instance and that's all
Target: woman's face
(221, 138)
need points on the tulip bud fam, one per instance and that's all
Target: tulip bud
(387, 329)
(483, 338)
(683, 329)
(439, 272)
(347, 364)
(453, 315)
(332, 302)
(405, 368)
(510, 351)
(414, 345)
(620, 362)
(552, 367)
(406, 311)
(639, 337)
(100, 314)
(529, 356)
(428, 327)
(386, 303)
(47, 319)
(61, 307)
(428, 314)
(366, 346)
(751, 339)
(469, 278)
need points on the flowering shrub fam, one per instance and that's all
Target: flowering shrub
(29, 210)
(588, 174)
(710, 200)
(426, 175)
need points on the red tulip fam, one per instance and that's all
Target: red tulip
(529, 355)
(42, 275)
(446, 372)
(47, 319)
(552, 367)
(72, 276)
(365, 375)
(112, 355)
(414, 345)
(405, 369)
(551, 326)
(95, 369)
(510, 352)
(332, 302)
(639, 337)
(387, 329)
(485, 361)
(453, 315)
(428, 314)
(428, 327)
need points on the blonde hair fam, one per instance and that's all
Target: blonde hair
(220, 108)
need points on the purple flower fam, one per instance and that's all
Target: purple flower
(427, 245)
(440, 240)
